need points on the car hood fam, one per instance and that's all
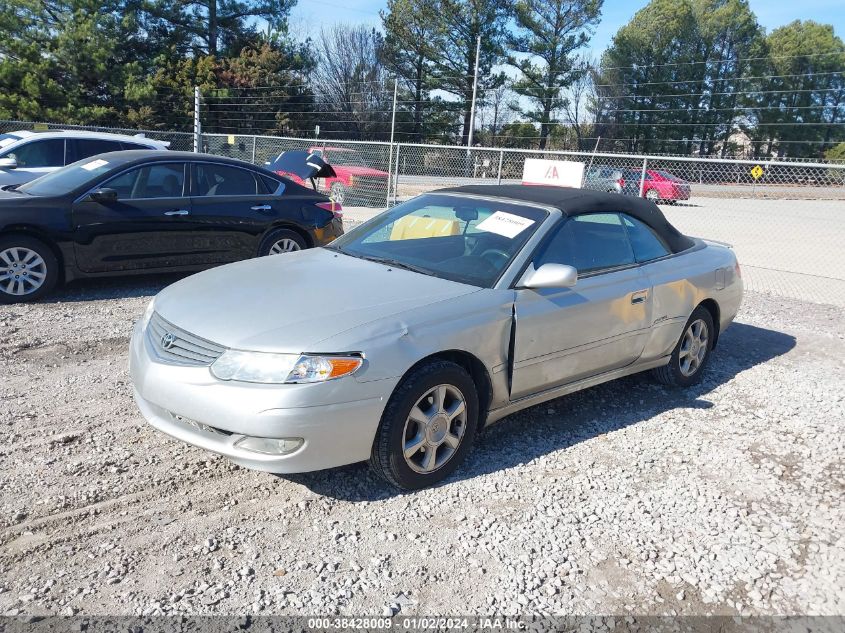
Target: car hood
(291, 302)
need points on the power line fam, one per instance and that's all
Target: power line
(692, 81)
(706, 94)
(724, 61)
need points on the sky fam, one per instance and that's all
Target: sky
(309, 15)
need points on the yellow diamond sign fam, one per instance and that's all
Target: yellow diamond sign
(756, 172)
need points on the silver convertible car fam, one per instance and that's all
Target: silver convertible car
(402, 339)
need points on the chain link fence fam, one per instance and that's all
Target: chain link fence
(786, 220)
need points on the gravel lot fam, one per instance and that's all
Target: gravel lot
(626, 498)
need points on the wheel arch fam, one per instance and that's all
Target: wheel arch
(41, 236)
(713, 308)
(476, 370)
(290, 226)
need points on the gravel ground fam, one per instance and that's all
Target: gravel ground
(628, 498)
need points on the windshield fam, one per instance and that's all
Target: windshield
(8, 139)
(350, 158)
(460, 238)
(668, 176)
(67, 178)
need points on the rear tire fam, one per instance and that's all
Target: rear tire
(652, 195)
(29, 269)
(691, 353)
(281, 241)
(427, 427)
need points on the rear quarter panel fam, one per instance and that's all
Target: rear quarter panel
(682, 282)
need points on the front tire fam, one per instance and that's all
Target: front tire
(691, 353)
(428, 426)
(652, 195)
(29, 269)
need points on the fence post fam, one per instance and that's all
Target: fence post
(197, 126)
(396, 172)
(642, 176)
(254, 141)
(389, 174)
(501, 160)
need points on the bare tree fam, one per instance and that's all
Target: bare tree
(577, 99)
(350, 83)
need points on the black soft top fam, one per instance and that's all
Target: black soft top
(579, 201)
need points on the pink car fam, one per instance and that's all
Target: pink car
(662, 186)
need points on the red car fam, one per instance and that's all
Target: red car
(662, 186)
(355, 181)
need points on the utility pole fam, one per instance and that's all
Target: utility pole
(390, 175)
(474, 91)
(197, 125)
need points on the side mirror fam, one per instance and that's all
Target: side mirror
(8, 162)
(103, 195)
(550, 276)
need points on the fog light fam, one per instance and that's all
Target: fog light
(269, 445)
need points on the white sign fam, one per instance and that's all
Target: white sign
(94, 164)
(506, 224)
(560, 173)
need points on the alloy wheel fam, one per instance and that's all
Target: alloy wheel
(651, 194)
(22, 271)
(434, 429)
(285, 245)
(694, 347)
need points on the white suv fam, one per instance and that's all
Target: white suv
(25, 155)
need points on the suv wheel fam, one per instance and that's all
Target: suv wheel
(428, 426)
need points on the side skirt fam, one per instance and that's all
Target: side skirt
(556, 392)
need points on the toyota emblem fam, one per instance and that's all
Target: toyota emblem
(167, 340)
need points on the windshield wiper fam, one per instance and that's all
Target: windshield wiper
(396, 263)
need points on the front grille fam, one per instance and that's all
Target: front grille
(174, 345)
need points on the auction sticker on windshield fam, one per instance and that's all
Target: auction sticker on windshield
(505, 224)
(94, 164)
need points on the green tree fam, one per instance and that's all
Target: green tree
(65, 60)
(458, 25)
(672, 79)
(213, 27)
(408, 54)
(800, 103)
(263, 90)
(542, 48)
(518, 135)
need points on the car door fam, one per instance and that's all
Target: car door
(147, 227)
(231, 208)
(600, 324)
(673, 299)
(34, 158)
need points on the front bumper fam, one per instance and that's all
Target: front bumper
(337, 420)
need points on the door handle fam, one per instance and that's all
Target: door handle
(262, 207)
(639, 296)
(177, 212)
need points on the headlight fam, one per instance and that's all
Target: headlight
(262, 367)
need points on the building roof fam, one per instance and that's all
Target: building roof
(573, 201)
